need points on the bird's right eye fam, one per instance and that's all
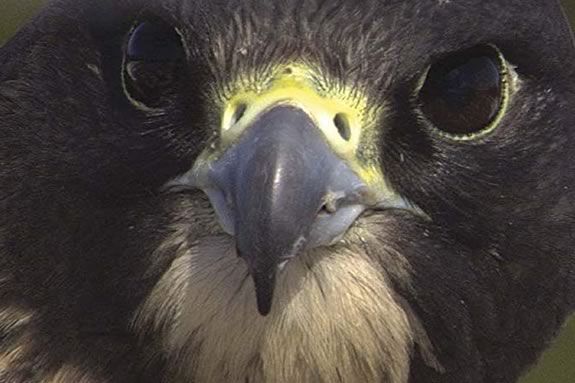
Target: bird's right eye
(153, 59)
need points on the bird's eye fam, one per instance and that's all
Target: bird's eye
(464, 93)
(153, 59)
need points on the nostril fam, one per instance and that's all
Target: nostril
(341, 122)
(239, 113)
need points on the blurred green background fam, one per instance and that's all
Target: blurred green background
(557, 365)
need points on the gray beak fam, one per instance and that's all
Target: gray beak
(279, 190)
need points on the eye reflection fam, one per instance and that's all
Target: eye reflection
(463, 93)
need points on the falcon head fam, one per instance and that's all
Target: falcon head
(296, 191)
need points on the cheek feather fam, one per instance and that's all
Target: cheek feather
(12, 356)
(68, 373)
(330, 302)
(12, 320)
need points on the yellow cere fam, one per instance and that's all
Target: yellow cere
(343, 115)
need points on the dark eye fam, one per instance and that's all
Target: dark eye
(153, 60)
(463, 93)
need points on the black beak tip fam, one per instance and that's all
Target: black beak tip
(264, 286)
(264, 305)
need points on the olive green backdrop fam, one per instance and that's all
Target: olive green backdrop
(557, 365)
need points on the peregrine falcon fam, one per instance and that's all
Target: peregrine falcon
(257, 191)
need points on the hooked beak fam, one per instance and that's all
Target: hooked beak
(282, 189)
(279, 186)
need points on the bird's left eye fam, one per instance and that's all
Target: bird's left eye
(464, 93)
(153, 59)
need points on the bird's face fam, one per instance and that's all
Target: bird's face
(295, 191)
